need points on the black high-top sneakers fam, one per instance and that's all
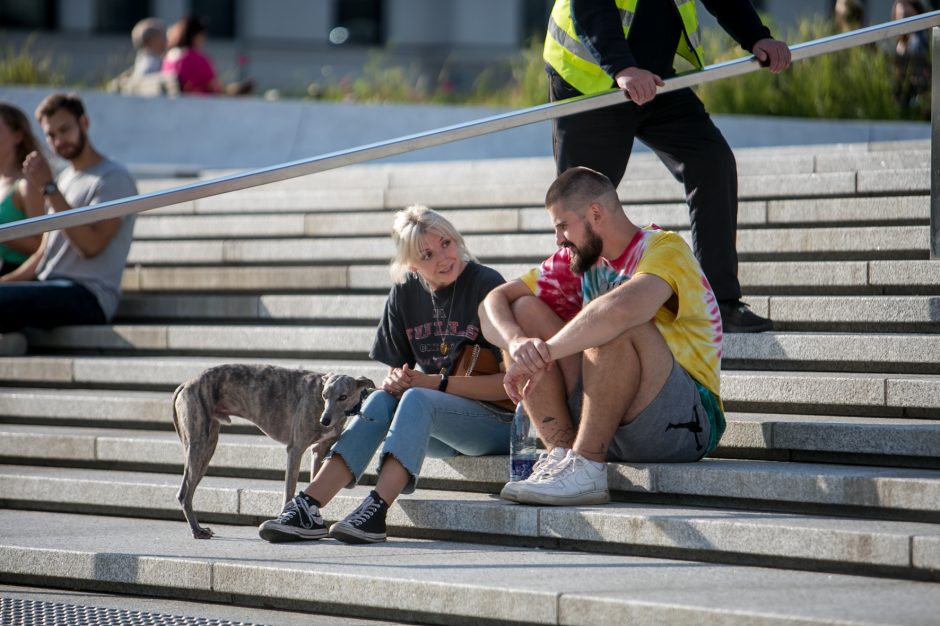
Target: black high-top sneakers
(299, 520)
(364, 525)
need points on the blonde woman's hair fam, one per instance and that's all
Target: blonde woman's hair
(409, 226)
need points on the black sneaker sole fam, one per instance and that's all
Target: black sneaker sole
(757, 328)
(274, 534)
(351, 534)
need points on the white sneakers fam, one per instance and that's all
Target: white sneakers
(541, 469)
(568, 481)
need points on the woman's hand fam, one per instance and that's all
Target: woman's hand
(403, 378)
(395, 383)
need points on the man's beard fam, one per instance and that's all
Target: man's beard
(75, 152)
(582, 258)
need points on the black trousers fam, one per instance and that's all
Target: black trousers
(678, 129)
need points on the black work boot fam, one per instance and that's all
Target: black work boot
(737, 317)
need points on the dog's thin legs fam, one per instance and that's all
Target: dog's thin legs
(294, 456)
(197, 462)
(316, 458)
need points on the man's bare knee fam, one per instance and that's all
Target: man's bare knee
(535, 317)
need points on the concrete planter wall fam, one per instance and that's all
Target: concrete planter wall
(193, 132)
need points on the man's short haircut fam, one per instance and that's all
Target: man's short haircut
(145, 30)
(51, 104)
(578, 187)
(409, 226)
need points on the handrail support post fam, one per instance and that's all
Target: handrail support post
(935, 143)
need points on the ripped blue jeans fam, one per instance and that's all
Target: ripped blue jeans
(425, 422)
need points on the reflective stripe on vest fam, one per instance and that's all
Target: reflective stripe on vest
(573, 61)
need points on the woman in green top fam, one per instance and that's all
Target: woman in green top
(18, 200)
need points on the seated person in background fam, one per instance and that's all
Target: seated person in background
(75, 275)
(144, 78)
(621, 318)
(18, 199)
(191, 66)
(149, 38)
(848, 15)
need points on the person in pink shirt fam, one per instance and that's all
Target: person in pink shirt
(191, 66)
(185, 59)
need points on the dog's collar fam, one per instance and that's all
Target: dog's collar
(362, 396)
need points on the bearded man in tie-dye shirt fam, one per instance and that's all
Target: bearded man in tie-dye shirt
(613, 346)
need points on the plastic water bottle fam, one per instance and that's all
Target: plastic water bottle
(522, 446)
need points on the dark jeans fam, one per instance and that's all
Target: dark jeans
(677, 128)
(44, 304)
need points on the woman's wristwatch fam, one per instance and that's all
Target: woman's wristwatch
(442, 386)
(49, 188)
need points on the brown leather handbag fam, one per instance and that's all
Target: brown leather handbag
(475, 360)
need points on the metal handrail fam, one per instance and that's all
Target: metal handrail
(449, 134)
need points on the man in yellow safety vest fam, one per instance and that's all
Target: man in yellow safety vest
(595, 45)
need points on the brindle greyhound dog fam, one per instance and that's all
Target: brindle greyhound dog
(298, 408)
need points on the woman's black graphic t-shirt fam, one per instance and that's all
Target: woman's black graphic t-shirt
(412, 328)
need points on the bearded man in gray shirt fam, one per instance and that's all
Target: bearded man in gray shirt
(75, 275)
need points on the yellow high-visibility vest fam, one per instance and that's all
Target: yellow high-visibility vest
(565, 52)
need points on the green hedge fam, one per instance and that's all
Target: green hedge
(854, 84)
(22, 67)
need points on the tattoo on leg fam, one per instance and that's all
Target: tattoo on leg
(547, 419)
(563, 437)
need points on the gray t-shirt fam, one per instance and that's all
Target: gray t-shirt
(100, 274)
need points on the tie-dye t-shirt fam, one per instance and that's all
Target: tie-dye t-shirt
(693, 334)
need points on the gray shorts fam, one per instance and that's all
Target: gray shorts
(674, 428)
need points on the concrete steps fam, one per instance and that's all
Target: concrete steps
(243, 451)
(913, 396)
(829, 463)
(243, 224)
(442, 582)
(888, 242)
(808, 172)
(850, 313)
(44, 414)
(903, 549)
(897, 353)
(757, 278)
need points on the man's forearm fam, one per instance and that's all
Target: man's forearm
(592, 327)
(607, 317)
(89, 239)
(598, 22)
(739, 19)
(29, 268)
